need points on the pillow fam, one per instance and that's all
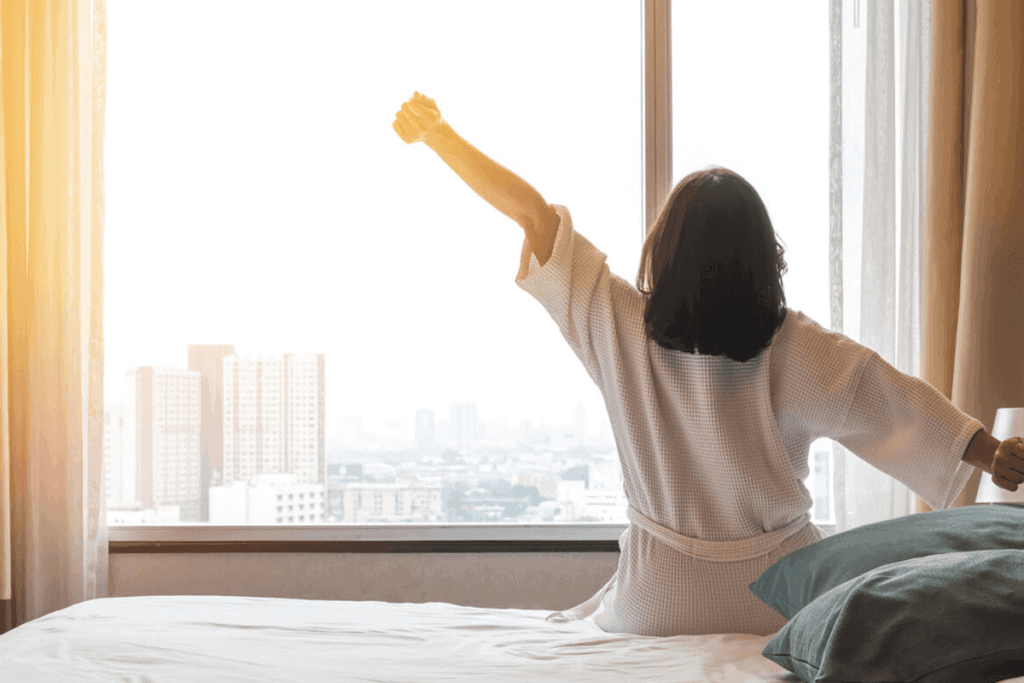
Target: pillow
(801, 576)
(947, 618)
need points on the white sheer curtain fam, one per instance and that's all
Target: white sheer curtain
(53, 549)
(880, 61)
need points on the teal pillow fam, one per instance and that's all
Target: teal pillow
(947, 618)
(801, 576)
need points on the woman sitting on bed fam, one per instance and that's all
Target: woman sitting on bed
(715, 390)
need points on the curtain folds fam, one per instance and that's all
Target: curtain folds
(927, 234)
(973, 235)
(53, 551)
(883, 305)
(880, 65)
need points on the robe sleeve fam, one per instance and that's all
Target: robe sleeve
(597, 312)
(906, 428)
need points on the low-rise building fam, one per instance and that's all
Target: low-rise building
(267, 499)
(386, 502)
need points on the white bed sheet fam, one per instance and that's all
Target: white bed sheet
(160, 639)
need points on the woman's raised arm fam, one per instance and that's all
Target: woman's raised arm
(420, 121)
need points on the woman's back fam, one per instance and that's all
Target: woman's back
(705, 452)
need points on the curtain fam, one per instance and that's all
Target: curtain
(880, 66)
(973, 236)
(53, 551)
(926, 230)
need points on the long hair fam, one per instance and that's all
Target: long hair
(711, 269)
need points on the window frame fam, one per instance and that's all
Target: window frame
(443, 538)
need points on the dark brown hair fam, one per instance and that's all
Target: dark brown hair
(711, 269)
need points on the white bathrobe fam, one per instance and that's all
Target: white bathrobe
(713, 451)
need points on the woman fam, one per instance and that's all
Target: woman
(715, 391)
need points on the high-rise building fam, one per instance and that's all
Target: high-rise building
(580, 423)
(306, 433)
(466, 423)
(274, 417)
(118, 458)
(208, 361)
(424, 428)
(162, 422)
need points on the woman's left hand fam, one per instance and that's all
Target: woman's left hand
(418, 119)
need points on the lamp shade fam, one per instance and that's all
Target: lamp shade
(1009, 423)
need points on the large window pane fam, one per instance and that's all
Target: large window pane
(259, 204)
(750, 92)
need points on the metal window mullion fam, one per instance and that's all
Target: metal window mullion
(657, 108)
(836, 224)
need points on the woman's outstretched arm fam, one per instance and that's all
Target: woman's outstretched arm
(420, 121)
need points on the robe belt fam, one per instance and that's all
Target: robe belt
(718, 551)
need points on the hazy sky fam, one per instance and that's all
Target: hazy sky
(258, 196)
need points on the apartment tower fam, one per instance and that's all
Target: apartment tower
(274, 417)
(118, 458)
(163, 424)
(424, 428)
(208, 361)
(465, 423)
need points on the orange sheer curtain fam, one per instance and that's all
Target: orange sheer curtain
(53, 551)
(972, 289)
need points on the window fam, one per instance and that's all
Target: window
(271, 180)
(750, 92)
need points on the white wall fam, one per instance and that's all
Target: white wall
(525, 581)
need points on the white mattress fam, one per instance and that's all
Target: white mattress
(159, 639)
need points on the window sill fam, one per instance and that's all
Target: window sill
(358, 538)
(361, 538)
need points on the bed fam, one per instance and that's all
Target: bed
(164, 639)
(160, 639)
(935, 597)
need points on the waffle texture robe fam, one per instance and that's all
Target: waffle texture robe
(714, 451)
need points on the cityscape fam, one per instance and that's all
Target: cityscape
(292, 233)
(241, 440)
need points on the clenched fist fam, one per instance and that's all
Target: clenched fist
(1008, 464)
(418, 119)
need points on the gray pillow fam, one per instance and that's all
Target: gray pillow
(803, 575)
(947, 618)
